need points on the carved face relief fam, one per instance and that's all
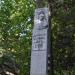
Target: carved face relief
(41, 19)
(41, 16)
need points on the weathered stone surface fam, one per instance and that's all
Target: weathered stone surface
(39, 63)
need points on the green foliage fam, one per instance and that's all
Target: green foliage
(63, 33)
(8, 64)
(16, 23)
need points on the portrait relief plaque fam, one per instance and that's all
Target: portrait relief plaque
(41, 18)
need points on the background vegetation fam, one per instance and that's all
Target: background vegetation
(16, 23)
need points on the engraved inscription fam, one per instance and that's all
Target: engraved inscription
(39, 43)
(42, 32)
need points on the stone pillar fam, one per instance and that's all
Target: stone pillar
(40, 42)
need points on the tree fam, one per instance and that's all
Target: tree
(16, 23)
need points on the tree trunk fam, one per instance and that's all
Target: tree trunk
(41, 3)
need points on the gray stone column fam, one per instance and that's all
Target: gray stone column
(40, 43)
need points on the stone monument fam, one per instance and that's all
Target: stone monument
(40, 42)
